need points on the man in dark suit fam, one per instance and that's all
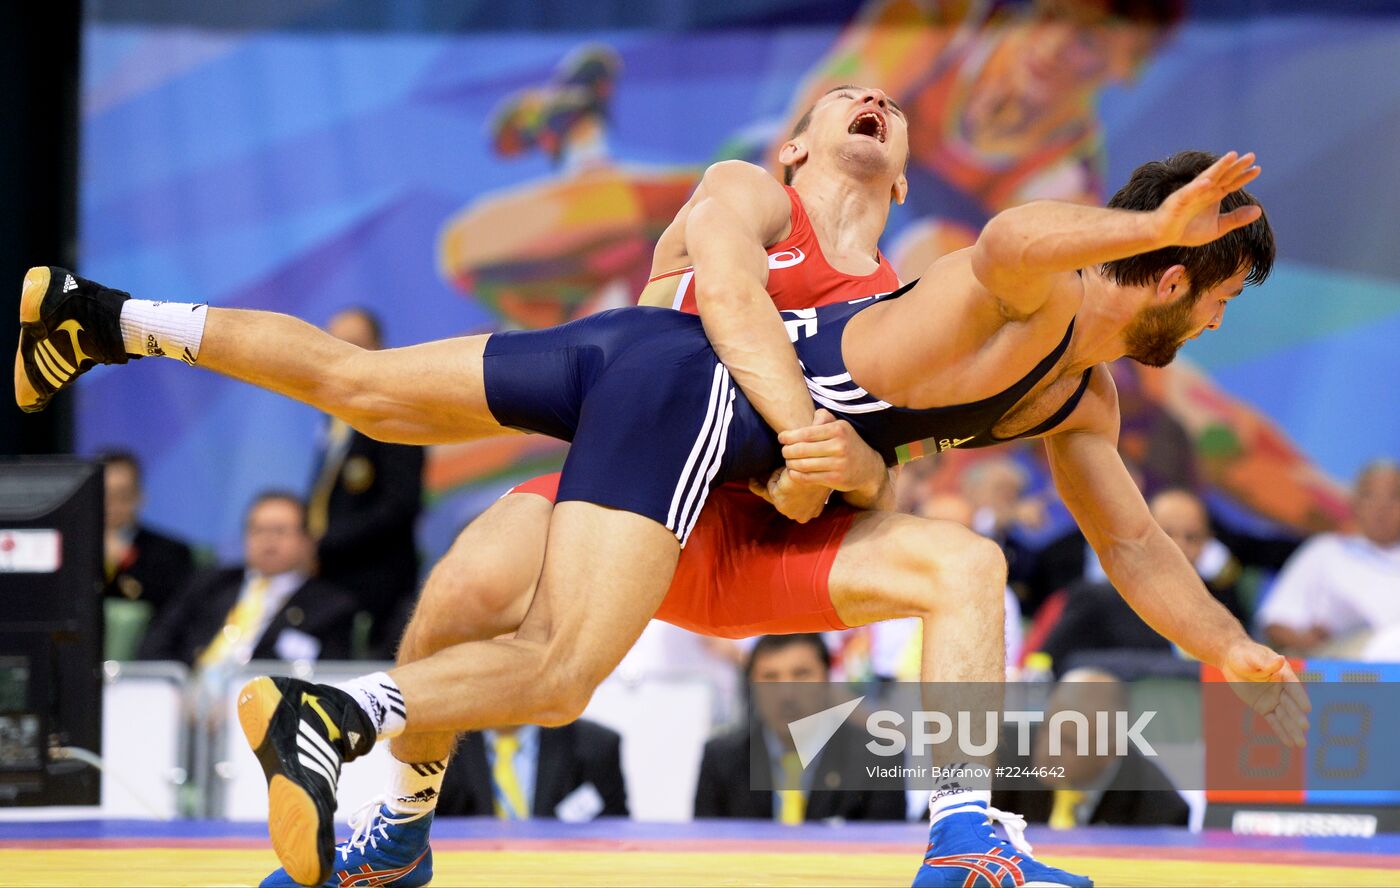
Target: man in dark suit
(364, 503)
(724, 788)
(141, 565)
(1127, 790)
(572, 772)
(270, 608)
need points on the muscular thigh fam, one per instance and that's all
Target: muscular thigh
(433, 393)
(605, 572)
(483, 585)
(889, 564)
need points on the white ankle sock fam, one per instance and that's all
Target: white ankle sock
(942, 803)
(169, 329)
(957, 791)
(381, 700)
(415, 786)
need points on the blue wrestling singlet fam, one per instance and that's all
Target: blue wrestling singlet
(656, 421)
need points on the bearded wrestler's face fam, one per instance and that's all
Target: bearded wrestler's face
(1160, 329)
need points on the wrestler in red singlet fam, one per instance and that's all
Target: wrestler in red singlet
(746, 570)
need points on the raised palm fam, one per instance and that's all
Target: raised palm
(1191, 215)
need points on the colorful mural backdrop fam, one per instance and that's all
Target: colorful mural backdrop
(461, 179)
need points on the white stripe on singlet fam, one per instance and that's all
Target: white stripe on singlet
(681, 288)
(722, 436)
(711, 414)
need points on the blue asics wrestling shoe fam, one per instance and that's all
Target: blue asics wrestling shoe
(964, 851)
(385, 848)
(302, 733)
(67, 325)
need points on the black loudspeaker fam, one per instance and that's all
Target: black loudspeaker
(50, 629)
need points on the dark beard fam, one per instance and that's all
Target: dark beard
(1158, 332)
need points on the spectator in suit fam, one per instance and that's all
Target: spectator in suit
(1127, 790)
(141, 564)
(1096, 617)
(572, 773)
(1341, 588)
(364, 503)
(724, 786)
(268, 608)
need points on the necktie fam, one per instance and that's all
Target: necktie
(1062, 810)
(510, 801)
(793, 802)
(318, 506)
(243, 618)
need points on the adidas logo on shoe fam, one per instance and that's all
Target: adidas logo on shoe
(69, 285)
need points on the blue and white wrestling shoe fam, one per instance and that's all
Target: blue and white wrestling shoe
(386, 848)
(964, 851)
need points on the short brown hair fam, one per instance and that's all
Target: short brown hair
(277, 496)
(1209, 264)
(122, 458)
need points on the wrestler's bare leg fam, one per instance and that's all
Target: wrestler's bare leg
(889, 566)
(605, 573)
(480, 589)
(422, 394)
(892, 566)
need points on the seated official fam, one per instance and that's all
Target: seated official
(571, 773)
(141, 565)
(1128, 790)
(268, 608)
(1340, 592)
(725, 785)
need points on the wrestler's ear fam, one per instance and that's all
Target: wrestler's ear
(1172, 285)
(900, 190)
(793, 153)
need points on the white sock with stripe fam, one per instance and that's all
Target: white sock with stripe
(956, 792)
(415, 786)
(166, 329)
(381, 700)
(943, 804)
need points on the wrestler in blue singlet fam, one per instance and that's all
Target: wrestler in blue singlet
(656, 421)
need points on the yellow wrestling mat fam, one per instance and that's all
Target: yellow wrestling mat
(702, 853)
(190, 866)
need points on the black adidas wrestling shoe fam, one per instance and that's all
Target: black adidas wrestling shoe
(66, 325)
(302, 733)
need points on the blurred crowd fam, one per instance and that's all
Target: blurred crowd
(330, 572)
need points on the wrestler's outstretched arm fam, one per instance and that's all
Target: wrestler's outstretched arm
(1023, 252)
(1151, 573)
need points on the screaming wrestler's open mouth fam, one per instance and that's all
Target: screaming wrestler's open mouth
(868, 123)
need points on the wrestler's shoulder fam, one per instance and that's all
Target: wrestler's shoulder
(1097, 411)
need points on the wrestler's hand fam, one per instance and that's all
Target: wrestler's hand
(1265, 681)
(831, 454)
(1191, 215)
(798, 500)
